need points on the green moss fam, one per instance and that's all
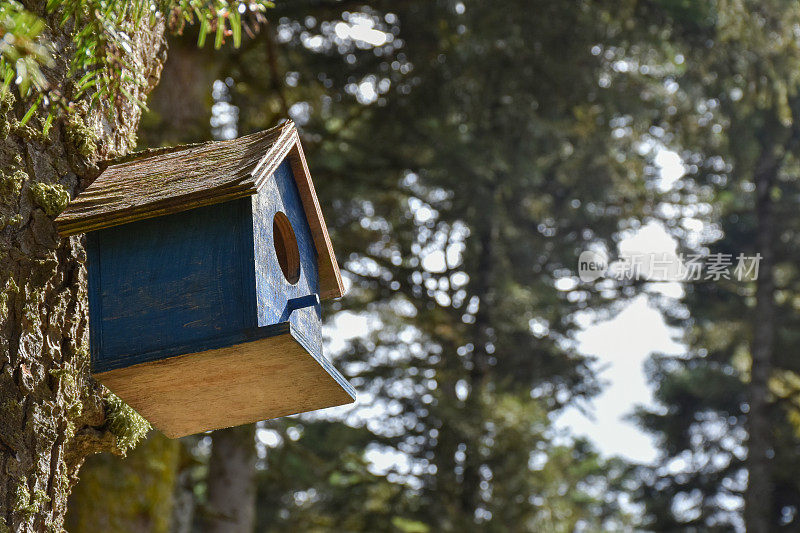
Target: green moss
(69, 387)
(132, 138)
(52, 198)
(75, 409)
(33, 317)
(11, 184)
(40, 497)
(66, 375)
(26, 131)
(125, 424)
(5, 222)
(6, 118)
(22, 500)
(4, 527)
(27, 505)
(11, 409)
(37, 127)
(81, 136)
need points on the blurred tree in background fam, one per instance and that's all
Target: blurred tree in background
(733, 117)
(134, 494)
(466, 153)
(452, 143)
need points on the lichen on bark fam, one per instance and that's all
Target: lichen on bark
(52, 413)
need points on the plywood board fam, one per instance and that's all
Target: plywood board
(253, 381)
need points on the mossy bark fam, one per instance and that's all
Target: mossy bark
(52, 414)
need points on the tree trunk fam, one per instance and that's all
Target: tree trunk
(758, 497)
(131, 495)
(488, 235)
(52, 414)
(184, 499)
(231, 502)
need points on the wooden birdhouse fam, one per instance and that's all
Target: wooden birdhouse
(206, 268)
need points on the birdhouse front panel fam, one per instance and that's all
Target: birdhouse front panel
(206, 268)
(286, 265)
(171, 285)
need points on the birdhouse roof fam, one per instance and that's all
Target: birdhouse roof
(166, 181)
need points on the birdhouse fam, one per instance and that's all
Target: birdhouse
(206, 265)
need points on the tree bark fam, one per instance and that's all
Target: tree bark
(758, 497)
(231, 501)
(52, 414)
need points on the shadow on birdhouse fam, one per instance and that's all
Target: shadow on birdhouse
(206, 268)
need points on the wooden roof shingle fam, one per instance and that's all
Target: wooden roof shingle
(186, 177)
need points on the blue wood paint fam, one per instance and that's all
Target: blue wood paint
(172, 281)
(202, 345)
(299, 303)
(272, 289)
(201, 279)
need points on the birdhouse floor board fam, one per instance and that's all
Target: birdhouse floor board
(258, 380)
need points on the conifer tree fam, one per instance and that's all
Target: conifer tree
(727, 425)
(467, 152)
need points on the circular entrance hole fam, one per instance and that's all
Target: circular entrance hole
(286, 247)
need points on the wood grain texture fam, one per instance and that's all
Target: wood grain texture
(330, 279)
(165, 286)
(258, 380)
(176, 180)
(184, 178)
(273, 291)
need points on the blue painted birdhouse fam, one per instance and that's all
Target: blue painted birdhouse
(206, 267)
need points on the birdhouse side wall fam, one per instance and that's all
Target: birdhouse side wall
(280, 194)
(170, 285)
